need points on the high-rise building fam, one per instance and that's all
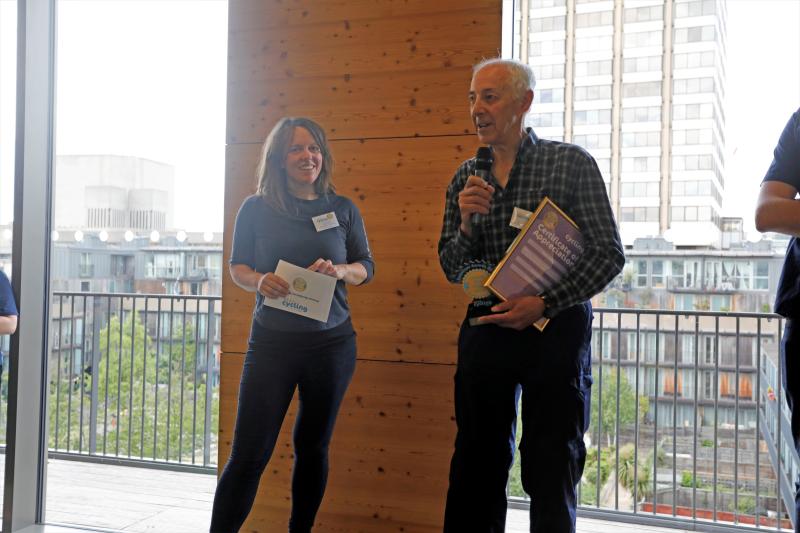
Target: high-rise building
(640, 85)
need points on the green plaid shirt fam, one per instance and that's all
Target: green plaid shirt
(569, 176)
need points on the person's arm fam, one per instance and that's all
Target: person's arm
(350, 273)
(268, 284)
(8, 324)
(777, 209)
(242, 262)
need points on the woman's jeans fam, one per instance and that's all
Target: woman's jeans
(320, 365)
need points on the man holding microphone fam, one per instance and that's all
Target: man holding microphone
(500, 354)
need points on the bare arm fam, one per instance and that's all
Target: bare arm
(350, 273)
(8, 324)
(777, 209)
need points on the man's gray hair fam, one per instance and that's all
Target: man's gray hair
(522, 77)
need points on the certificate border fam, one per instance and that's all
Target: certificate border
(541, 323)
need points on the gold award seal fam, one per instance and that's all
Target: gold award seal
(550, 220)
(473, 281)
(299, 284)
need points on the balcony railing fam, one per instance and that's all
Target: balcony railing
(689, 426)
(689, 423)
(134, 378)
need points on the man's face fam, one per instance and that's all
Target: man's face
(495, 110)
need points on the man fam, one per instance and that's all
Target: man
(778, 210)
(8, 311)
(501, 355)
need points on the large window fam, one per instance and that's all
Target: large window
(138, 181)
(8, 49)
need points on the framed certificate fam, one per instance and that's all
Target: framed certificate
(546, 249)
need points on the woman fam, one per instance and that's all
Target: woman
(286, 350)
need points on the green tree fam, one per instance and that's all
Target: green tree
(607, 411)
(151, 396)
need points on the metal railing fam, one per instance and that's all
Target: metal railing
(689, 425)
(135, 378)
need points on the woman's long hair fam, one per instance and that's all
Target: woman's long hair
(271, 174)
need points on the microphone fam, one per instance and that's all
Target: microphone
(483, 166)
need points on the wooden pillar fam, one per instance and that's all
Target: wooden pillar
(388, 80)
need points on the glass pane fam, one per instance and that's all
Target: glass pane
(8, 77)
(136, 269)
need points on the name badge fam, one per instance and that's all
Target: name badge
(519, 217)
(326, 221)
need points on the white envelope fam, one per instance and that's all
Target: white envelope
(310, 293)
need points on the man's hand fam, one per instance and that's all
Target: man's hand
(476, 197)
(516, 313)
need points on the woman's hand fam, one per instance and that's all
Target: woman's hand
(325, 266)
(272, 286)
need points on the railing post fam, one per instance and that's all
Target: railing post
(97, 320)
(210, 336)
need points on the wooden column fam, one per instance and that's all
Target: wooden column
(388, 80)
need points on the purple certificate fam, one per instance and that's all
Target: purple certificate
(546, 249)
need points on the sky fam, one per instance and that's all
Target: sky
(148, 78)
(763, 90)
(143, 78)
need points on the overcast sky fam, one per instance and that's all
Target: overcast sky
(147, 78)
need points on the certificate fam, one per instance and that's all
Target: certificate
(546, 249)
(310, 293)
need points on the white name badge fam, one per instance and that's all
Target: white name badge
(326, 221)
(310, 293)
(519, 217)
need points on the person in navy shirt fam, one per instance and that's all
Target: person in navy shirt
(286, 351)
(778, 210)
(8, 311)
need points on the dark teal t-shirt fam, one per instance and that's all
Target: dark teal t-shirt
(263, 236)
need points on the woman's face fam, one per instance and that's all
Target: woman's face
(303, 161)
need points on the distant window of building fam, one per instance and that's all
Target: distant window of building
(761, 278)
(593, 68)
(543, 24)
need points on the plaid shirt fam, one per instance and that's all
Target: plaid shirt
(569, 176)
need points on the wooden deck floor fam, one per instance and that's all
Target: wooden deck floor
(139, 500)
